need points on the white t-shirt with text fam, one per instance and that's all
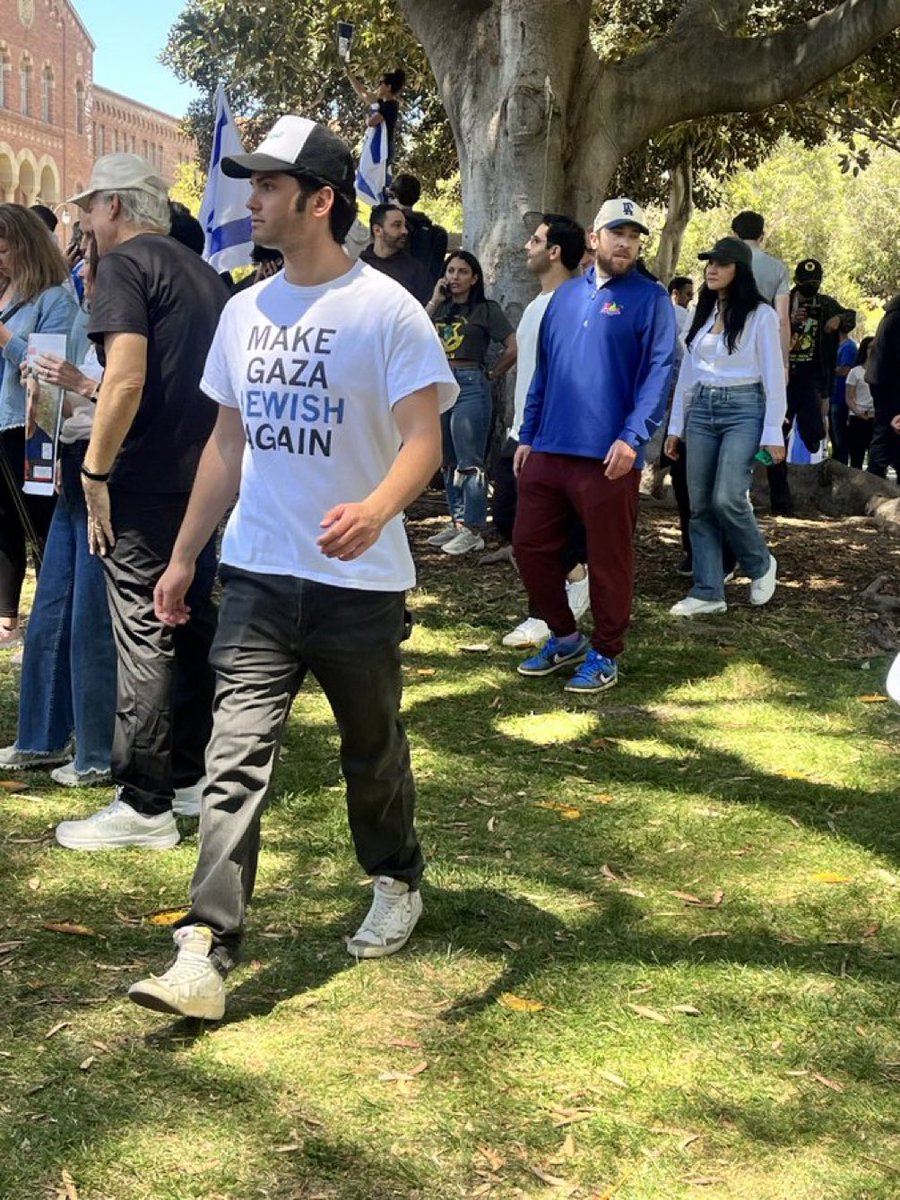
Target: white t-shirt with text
(315, 372)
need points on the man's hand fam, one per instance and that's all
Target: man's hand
(619, 460)
(672, 447)
(350, 530)
(100, 531)
(833, 324)
(519, 459)
(776, 453)
(170, 591)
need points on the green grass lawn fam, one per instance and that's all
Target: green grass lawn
(658, 957)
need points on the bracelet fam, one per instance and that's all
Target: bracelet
(95, 476)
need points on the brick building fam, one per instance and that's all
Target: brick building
(54, 119)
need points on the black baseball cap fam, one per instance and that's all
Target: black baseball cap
(729, 250)
(808, 271)
(298, 146)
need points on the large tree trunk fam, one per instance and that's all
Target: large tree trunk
(540, 122)
(678, 214)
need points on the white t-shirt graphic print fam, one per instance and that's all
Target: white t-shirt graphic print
(315, 372)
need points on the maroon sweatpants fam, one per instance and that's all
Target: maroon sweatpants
(551, 488)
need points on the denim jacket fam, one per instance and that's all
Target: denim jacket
(53, 311)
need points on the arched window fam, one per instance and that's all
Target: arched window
(25, 87)
(4, 80)
(79, 107)
(47, 96)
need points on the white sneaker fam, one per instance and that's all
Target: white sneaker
(116, 826)
(763, 589)
(578, 593)
(464, 542)
(443, 536)
(530, 632)
(389, 922)
(187, 799)
(67, 776)
(192, 987)
(690, 606)
(14, 759)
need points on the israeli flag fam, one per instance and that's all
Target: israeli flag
(223, 213)
(372, 175)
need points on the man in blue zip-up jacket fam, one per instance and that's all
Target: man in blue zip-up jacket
(605, 358)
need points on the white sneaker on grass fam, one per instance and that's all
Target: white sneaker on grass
(192, 987)
(443, 536)
(530, 632)
(67, 776)
(464, 542)
(117, 826)
(14, 759)
(763, 589)
(692, 606)
(578, 594)
(187, 799)
(389, 922)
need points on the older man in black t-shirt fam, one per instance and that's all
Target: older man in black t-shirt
(153, 315)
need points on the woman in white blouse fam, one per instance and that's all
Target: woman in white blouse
(729, 404)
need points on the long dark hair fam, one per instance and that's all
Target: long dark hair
(743, 298)
(476, 294)
(863, 352)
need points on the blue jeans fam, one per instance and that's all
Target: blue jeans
(724, 425)
(465, 432)
(69, 663)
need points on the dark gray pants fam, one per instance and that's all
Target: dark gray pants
(164, 681)
(272, 630)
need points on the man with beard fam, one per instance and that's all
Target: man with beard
(605, 356)
(389, 255)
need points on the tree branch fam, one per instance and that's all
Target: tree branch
(683, 77)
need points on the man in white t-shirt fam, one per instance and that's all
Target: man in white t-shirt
(329, 380)
(553, 255)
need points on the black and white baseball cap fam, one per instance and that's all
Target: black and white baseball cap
(298, 146)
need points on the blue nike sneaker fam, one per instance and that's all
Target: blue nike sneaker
(553, 657)
(596, 674)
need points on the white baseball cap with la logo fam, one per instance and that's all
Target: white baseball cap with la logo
(621, 211)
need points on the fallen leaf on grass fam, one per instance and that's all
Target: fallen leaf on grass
(628, 891)
(570, 1116)
(69, 1190)
(476, 648)
(687, 1009)
(88, 1063)
(700, 1180)
(610, 1077)
(870, 930)
(55, 1029)
(689, 1141)
(492, 824)
(402, 1076)
(34, 883)
(5, 947)
(565, 1152)
(406, 1043)
(67, 927)
(830, 877)
(550, 1180)
(13, 785)
(518, 1003)
(877, 698)
(567, 812)
(651, 1014)
(689, 898)
(829, 1083)
(426, 670)
(603, 798)
(165, 916)
(287, 1148)
(511, 945)
(494, 1160)
(608, 873)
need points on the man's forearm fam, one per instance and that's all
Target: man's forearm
(116, 410)
(215, 487)
(419, 458)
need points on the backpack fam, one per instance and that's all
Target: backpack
(427, 243)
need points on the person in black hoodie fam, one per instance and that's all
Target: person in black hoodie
(883, 377)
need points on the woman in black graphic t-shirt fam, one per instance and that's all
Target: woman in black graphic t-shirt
(467, 323)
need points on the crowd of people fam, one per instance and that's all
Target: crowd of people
(311, 406)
